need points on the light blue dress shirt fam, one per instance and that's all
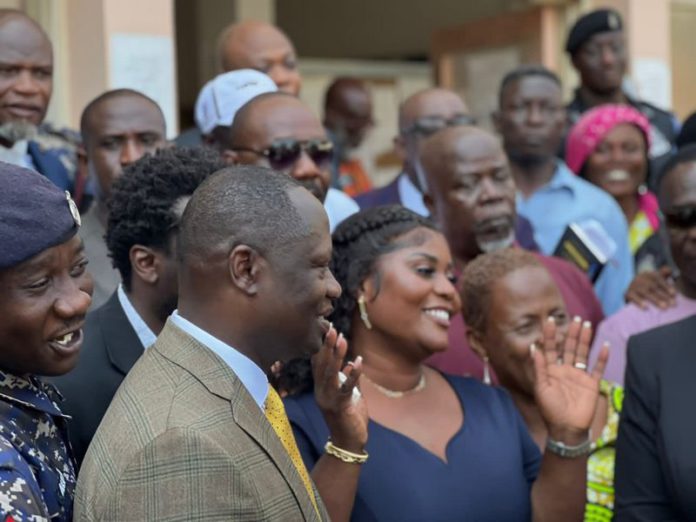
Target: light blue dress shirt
(567, 199)
(410, 196)
(142, 330)
(253, 378)
(338, 206)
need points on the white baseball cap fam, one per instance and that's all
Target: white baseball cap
(221, 98)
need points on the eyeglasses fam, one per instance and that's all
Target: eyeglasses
(431, 124)
(282, 154)
(682, 218)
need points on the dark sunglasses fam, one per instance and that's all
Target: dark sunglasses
(282, 154)
(682, 217)
(430, 125)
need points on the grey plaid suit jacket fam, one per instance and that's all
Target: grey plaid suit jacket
(184, 440)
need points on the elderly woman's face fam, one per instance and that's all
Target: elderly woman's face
(619, 163)
(416, 298)
(520, 303)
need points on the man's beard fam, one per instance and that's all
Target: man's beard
(14, 131)
(504, 224)
(528, 161)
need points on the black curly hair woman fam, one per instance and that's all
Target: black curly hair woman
(440, 447)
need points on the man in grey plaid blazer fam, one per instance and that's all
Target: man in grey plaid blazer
(186, 437)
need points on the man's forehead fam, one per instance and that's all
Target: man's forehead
(21, 41)
(128, 114)
(286, 118)
(534, 86)
(680, 187)
(439, 103)
(250, 45)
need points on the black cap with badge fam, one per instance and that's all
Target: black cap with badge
(34, 215)
(599, 21)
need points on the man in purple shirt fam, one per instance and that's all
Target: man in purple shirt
(678, 205)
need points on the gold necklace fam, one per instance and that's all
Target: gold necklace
(394, 394)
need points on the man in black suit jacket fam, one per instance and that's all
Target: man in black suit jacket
(656, 447)
(145, 207)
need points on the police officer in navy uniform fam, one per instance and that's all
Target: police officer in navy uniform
(597, 48)
(44, 295)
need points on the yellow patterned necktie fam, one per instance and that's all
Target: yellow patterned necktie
(275, 413)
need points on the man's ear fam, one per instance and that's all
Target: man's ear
(230, 157)
(144, 263)
(476, 342)
(244, 265)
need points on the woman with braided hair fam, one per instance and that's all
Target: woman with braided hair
(440, 447)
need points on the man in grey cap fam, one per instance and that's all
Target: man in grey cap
(597, 47)
(44, 295)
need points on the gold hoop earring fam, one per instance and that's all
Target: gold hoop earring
(363, 312)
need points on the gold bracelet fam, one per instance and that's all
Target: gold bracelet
(345, 456)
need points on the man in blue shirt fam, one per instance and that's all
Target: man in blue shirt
(531, 119)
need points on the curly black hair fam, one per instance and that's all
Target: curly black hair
(358, 243)
(142, 200)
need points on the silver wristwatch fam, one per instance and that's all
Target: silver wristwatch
(566, 451)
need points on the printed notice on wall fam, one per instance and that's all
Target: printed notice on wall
(653, 80)
(146, 63)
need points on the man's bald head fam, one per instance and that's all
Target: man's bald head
(242, 204)
(420, 115)
(285, 121)
(260, 46)
(442, 152)
(471, 192)
(26, 59)
(433, 102)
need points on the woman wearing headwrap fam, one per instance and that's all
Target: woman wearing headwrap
(609, 147)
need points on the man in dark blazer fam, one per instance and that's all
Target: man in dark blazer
(655, 453)
(146, 205)
(655, 449)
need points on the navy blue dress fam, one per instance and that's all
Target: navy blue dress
(491, 463)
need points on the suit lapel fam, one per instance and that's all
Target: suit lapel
(251, 419)
(123, 347)
(182, 349)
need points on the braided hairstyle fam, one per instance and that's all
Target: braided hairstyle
(358, 243)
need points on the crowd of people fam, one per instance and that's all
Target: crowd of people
(238, 326)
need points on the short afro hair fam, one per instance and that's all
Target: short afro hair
(141, 205)
(526, 71)
(479, 276)
(686, 154)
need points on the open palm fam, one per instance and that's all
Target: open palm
(565, 391)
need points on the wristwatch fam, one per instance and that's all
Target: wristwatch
(566, 451)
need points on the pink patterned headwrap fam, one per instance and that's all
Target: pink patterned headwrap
(593, 127)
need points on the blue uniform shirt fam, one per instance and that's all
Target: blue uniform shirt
(567, 199)
(37, 475)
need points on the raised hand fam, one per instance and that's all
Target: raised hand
(565, 391)
(345, 416)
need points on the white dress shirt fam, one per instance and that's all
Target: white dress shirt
(142, 330)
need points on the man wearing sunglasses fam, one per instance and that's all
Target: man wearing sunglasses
(420, 115)
(678, 207)
(278, 130)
